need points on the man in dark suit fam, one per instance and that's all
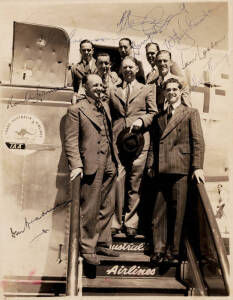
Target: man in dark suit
(125, 49)
(132, 105)
(176, 153)
(91, 154)
(164, 64)
(86, 66)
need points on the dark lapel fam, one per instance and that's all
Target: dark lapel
(88, 110)
(135, 91)
(80, 67)
(86, 70)
(162, 121)
(175, 120)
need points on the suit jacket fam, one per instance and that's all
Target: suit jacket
(112, 80)
(153, 76)
(176, 147)
(82, 136)
(141, 104)
(79, 71)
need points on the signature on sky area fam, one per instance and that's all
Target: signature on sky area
(176, 27)
(199, 54)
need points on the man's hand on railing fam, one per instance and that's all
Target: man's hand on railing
(199, 175)
(75, 172)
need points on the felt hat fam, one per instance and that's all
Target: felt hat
(130, 145)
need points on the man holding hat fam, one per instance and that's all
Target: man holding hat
(132, 108)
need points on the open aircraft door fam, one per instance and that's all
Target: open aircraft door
(35, 192)
(40, 55)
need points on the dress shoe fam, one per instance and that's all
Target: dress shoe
(157, 258)
(107, 252)
(131, 231)
(171, 257)
(114, 231)
(91, 259)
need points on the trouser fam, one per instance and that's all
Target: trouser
(131, 182)
(168, 214)
(97, 205)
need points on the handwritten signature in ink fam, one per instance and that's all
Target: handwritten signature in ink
(147, 24)
(175, 34)
(199, 54)
(35, 97)
(27, 223)
(43, 231)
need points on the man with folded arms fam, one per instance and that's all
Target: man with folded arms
(176, 154)
(91, 154)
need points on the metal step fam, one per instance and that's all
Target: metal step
(133, 286)
(137, 244)
(129, 265)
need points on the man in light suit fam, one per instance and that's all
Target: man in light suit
(91, 154)
(132, 105)
(86, 66)
(125, 49)
(176, 153)
(164, 64)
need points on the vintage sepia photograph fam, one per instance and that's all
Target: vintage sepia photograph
(116, 139)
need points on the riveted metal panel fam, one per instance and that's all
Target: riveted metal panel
(40, 55)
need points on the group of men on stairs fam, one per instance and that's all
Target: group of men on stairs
(120, 127)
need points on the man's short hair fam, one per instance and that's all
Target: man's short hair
(86, 41)
(126, 39)
(150, 44)
(102, 54)
(164, 51)
(85, 78)
(172, 80)
(131, 58)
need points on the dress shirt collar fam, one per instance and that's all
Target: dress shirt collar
(174, 106)
(131, 84)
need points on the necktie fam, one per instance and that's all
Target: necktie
(169, 112)
(99, 106)
(160, 81)
(151, 76)
(127, 94)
